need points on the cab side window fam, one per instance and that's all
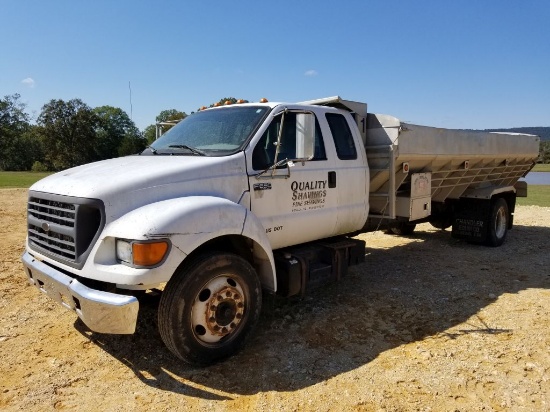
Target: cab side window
(343, 138)
(263, 155)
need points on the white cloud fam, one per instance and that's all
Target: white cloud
(29, 82)
(310, 73)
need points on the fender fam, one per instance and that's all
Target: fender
(188, 223)
(488, 192)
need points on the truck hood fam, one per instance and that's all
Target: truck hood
(124, 184)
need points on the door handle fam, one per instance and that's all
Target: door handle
(331, 179)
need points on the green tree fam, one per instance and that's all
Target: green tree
(544, 152)
(28, 149)
(113, 128)
(227, 100)
(150, 133)
(14, 123)
(132, 143)
(169, 116)
(23, 151)
(68, 132)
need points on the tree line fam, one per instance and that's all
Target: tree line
(71, 133)
(544, 152)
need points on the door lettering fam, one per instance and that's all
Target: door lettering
(308, 195)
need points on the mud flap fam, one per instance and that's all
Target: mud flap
(471, 220)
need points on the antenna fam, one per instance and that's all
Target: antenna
(131, 108)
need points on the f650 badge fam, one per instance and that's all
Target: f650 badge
(262, 186)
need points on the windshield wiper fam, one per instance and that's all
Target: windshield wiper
(192, 149)
(152, 149)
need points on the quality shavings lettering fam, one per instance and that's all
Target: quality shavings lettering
(308, 195)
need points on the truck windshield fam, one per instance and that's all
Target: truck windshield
(217, 132)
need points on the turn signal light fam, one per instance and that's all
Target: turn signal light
(149, 254)
(141, 253)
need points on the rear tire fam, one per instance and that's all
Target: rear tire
(209, 307)
(402, 228)
(442, 223)
(498, 223)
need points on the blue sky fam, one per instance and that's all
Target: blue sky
(457, 64)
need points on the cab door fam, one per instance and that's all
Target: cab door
(296, 201)
(352, 176)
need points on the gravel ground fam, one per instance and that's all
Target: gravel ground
(427, 323)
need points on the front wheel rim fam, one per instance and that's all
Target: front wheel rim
(218, 309)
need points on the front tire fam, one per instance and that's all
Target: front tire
(209, 307)
(498, 222)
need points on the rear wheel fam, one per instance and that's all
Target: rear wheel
(209, 307)
(402, 228)
(442, 222)
(498, 222)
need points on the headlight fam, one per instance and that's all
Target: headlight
(141, 253)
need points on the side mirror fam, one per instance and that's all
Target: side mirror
(305, 136)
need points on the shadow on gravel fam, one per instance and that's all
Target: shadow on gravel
(399, 295)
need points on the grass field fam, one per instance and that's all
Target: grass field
(20, 179)
(538, 195)
(541, 168)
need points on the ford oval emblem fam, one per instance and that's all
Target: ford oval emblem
(45, 226)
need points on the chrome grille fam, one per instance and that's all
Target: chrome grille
(51, 226)
(63, 227)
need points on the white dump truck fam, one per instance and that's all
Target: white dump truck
(255, 197)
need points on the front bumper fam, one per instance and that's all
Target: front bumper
(102, 312)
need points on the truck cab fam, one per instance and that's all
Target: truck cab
(227, 187)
